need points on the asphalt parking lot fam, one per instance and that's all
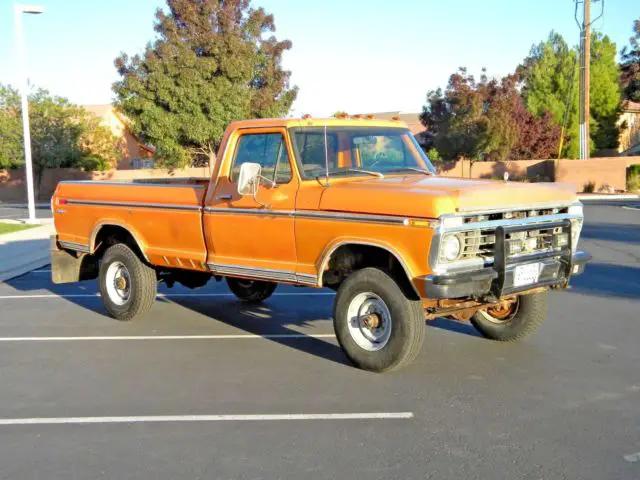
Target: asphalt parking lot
(563, 404)
(15, 212)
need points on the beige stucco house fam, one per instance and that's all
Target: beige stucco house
(630, 128)
(134, 153)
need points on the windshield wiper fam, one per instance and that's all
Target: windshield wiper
(368, 172)
(352, 170)
(413, 169)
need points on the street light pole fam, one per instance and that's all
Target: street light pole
(24, 91)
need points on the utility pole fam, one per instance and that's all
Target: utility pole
(585, 64)
(585, 73)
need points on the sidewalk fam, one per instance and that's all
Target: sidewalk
(21, 252)
(608, 196)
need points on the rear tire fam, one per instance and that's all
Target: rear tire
(251, 291)
(529, 313)
(128, 286)
(379, 328)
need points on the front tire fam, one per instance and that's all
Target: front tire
(378, 327)
(522, 318)
(128, 286)
(251, 291)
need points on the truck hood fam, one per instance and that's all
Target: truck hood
(430, 197)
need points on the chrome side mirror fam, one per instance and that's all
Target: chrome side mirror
(249, 178)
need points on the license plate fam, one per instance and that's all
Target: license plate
(526, 274)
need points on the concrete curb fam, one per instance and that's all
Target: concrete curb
(23, 251)
(604, 196)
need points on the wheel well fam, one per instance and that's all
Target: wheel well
(351, 257)
(109, 235)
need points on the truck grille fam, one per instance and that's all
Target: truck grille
(481, 243)
(538, 212)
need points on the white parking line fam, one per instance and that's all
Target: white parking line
(160, 295)
(631, 208)
(206, 418)
(243, 336)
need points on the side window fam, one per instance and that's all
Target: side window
(312, 155)
(267, 149)
(385, 151)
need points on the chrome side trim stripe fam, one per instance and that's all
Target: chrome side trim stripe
(251, 211)
(164, 206)
(262, 273)
(352, 217)
(79, 247)
(133, 184)
(318, 215)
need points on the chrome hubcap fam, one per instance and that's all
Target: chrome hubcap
(369, 321)
(118, 283)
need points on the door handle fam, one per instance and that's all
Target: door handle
(226, 196)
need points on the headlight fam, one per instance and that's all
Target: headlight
(450, 248)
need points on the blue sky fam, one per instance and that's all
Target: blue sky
(353, 55)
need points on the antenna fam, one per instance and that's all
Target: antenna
(326, 157)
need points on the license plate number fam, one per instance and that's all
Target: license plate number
(526, 274)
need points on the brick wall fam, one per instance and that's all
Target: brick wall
(595, 171)
(580, 173)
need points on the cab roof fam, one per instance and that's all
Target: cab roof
(318, 122)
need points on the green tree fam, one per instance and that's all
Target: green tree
(212, 63)
(62, 134)
(11, 151)
(605, 93)
(455, 118)
(630, 65)
(486, 120)
(550, 83)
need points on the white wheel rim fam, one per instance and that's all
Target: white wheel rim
(118, 283)
(369, 321)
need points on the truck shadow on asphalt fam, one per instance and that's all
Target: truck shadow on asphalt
(608, 280)
(613, 232)
(270, 319)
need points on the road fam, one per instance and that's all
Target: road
(14, 212)
(564, 404)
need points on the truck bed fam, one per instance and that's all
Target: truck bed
(164, 216)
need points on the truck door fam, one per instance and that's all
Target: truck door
(247, 236)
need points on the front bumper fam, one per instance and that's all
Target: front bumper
(498, 280)
(480, 283)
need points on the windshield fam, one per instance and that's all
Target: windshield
(358, 151)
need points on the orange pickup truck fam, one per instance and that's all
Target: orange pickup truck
(351, 204)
